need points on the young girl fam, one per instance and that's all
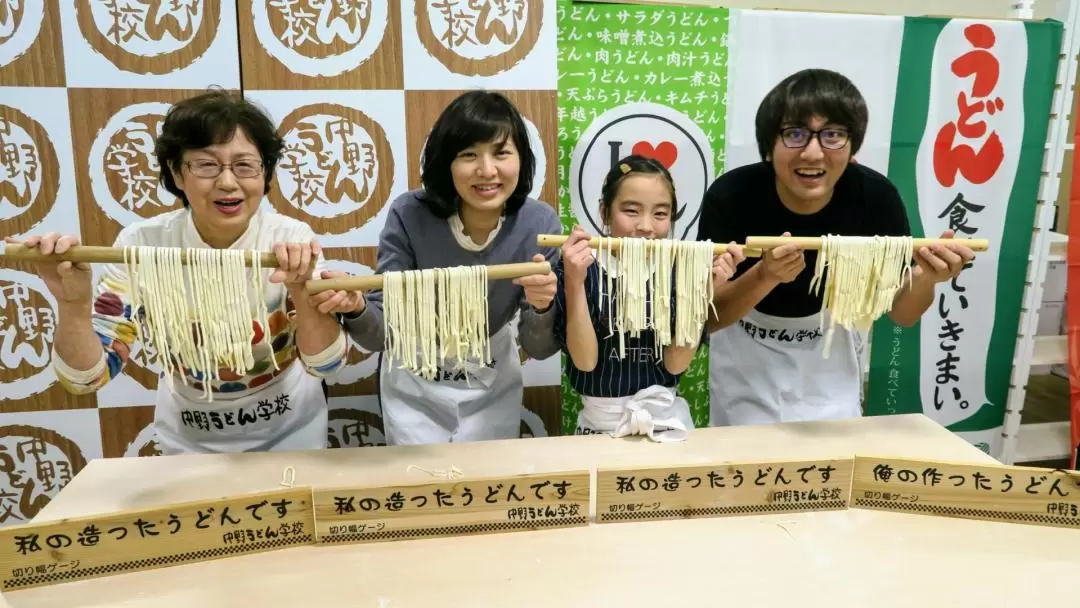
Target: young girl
(474, 209)
(635, 394)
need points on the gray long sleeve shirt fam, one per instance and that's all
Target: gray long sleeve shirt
(414, 238)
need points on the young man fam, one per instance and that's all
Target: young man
(766, 355)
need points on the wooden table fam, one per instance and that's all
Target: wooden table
(852, 558)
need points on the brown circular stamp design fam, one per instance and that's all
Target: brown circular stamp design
(149, 36)
(336, 171)
(479, 37)
(29, 172)
(27, 329)
(35, 464)
(20, 24)
(355, 428)
(146, 443)
(123, 168)
(320, 37)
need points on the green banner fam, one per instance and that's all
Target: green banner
(968, 138)
(647, 80)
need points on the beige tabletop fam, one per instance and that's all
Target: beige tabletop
(841, 558)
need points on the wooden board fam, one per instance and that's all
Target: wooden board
(90, 547)
(459, 507)
(723, 489)
(1047, 497)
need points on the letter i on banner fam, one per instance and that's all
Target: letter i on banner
(1072, 302)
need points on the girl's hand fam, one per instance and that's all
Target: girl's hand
(724, 265)
(577, 257)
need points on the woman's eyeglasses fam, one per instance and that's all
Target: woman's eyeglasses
(210, 169)
(799, 137)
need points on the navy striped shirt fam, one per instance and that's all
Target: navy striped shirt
(640, 367)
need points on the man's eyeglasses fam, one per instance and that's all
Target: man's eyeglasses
(799, 137)
(210, 169)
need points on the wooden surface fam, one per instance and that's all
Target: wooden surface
(830, 558)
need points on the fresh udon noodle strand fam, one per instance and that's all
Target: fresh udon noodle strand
(860, 277)
(693, 291)
(198, 316)
(650, 273)
(437, 319)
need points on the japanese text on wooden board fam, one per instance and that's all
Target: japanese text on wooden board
(454, 507)
(991, 492)
(722, 489)
(88, 547)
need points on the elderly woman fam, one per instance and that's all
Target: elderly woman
(217, 154)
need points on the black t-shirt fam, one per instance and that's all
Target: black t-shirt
(743, 202)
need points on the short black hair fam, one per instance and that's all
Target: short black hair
(212, 118)
(626, 167)
(799, 97)
(473, 117)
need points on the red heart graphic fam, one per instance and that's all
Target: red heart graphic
(666, 152)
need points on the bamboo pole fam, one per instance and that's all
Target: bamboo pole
(814, 242)
(91, 254)
(114, 255)
(557, 240)
(368, 283)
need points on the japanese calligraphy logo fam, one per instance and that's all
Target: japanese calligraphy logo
(20, 24)
(146, 443)
(27, 325)
(356, 428)
(336, 171)
(35, 464)
(479, 37)
(123, 169)
(29, 181)
(320, 37)
(650, 130)
(149, 36)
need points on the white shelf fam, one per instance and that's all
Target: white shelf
(1043, 441)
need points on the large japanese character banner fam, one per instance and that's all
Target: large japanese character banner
(967, 145)
(641, 80)
(354, 86)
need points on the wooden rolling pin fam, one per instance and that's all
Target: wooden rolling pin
(557, 240)
(814, 242)
(375, 281)
(91, 254)
(114, 255)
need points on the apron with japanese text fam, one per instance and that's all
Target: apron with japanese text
(654, 411)
(765, 369)
(288, 413)
(478, 404)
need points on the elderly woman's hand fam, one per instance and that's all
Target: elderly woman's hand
(296, 261)
(69, 282)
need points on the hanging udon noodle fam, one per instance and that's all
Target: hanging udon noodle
(864, 275)
(198, 316)
(437, 318)
(638, 295)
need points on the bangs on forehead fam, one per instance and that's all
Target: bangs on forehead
(475, 130)
(210, 128)
(803, 105)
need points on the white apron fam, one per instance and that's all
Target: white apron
(486, 405)
(288, 413)
(654, 411)
(765, 369)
